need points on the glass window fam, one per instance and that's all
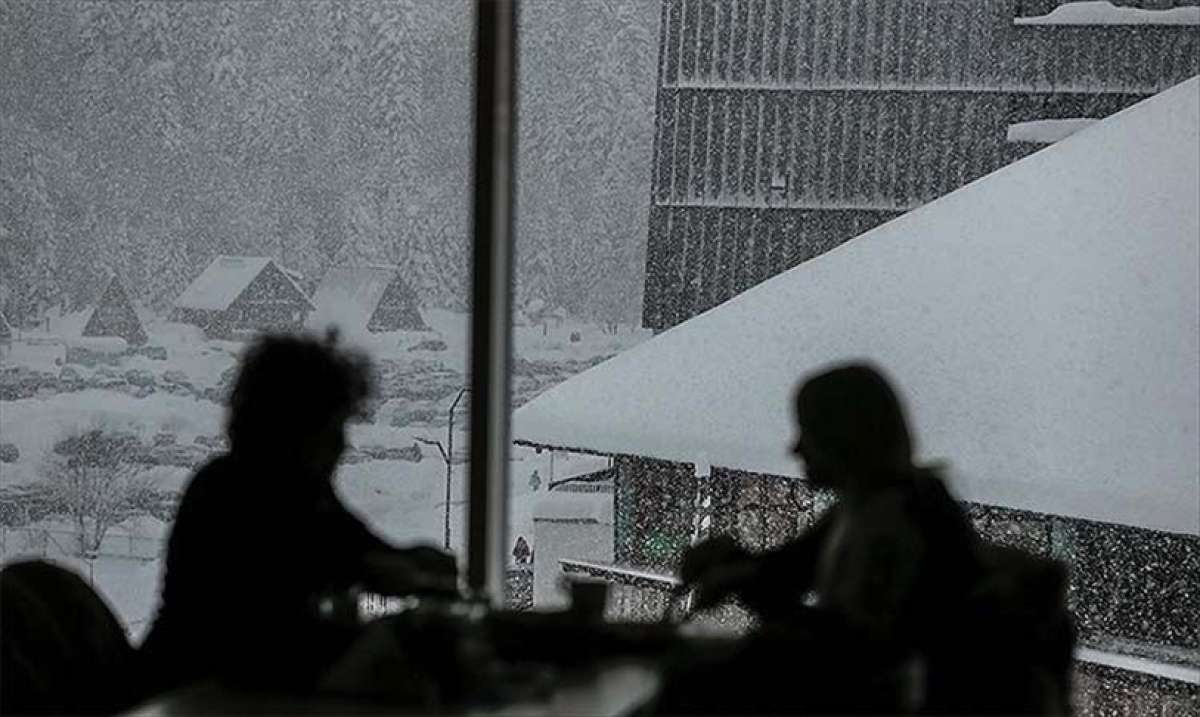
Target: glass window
(769, 134)
(586, 126)
(174, 179)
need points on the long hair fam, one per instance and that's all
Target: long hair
(290, 387)
(853, 414)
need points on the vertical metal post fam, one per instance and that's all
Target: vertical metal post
(449, 476)
(449, 458)
(494, 175)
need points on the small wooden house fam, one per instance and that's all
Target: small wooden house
(243, 293)
(114, 315)
(374, 298)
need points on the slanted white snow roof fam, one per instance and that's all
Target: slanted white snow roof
(224, 280)
(1041, 321)
(1102, 12)
(349, 295)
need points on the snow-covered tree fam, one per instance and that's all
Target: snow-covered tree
(95, 479)
(585, 145)
(391, 66)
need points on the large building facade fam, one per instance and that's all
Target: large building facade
(786, 127)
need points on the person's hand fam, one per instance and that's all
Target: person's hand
(715, 569)
(431, 560)
(722, 582)
(414, 570)
(709, 555)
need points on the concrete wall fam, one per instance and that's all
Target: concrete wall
(582, 539)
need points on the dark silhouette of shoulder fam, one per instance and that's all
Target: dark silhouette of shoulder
(247, 560)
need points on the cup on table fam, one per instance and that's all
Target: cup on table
(589, 598)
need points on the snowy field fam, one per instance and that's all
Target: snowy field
(168, 395)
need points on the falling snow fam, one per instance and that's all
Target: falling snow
(160, 163)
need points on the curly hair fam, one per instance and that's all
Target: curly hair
(290, 386)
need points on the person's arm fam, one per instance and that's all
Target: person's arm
(785, 574)
(415, 570)
(383, 568)
(770, 583)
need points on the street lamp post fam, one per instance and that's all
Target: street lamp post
(449, 473)
(450, 457)
(447, 452)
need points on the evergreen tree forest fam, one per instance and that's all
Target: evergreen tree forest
(141, 139)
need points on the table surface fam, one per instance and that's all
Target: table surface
(613, 688)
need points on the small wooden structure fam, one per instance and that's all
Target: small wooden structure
(114, 315)
(242, 293)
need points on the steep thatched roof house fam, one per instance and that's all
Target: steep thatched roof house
(374, 298)
(114, 315)
(243, 293)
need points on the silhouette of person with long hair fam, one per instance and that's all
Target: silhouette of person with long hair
(890, 602)
(894, 544)
(261, 536)
(862, 591)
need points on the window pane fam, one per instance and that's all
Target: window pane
(586, 125)
(176, 178)
(771, 135)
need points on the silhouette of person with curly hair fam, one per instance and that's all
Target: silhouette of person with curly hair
(261, 537)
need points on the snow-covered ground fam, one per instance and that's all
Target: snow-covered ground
(34, 425)
(58, 383)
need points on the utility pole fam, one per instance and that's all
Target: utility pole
(447, 452)
(450, 458)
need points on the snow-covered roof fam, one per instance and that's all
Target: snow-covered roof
(1047, 131)
(1102, 12)
(114, 315)
(1042, 322)
(570, 506)
(349, 295)
(224, 280)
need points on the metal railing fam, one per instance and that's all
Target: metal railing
(644, 595)
(634, 595)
